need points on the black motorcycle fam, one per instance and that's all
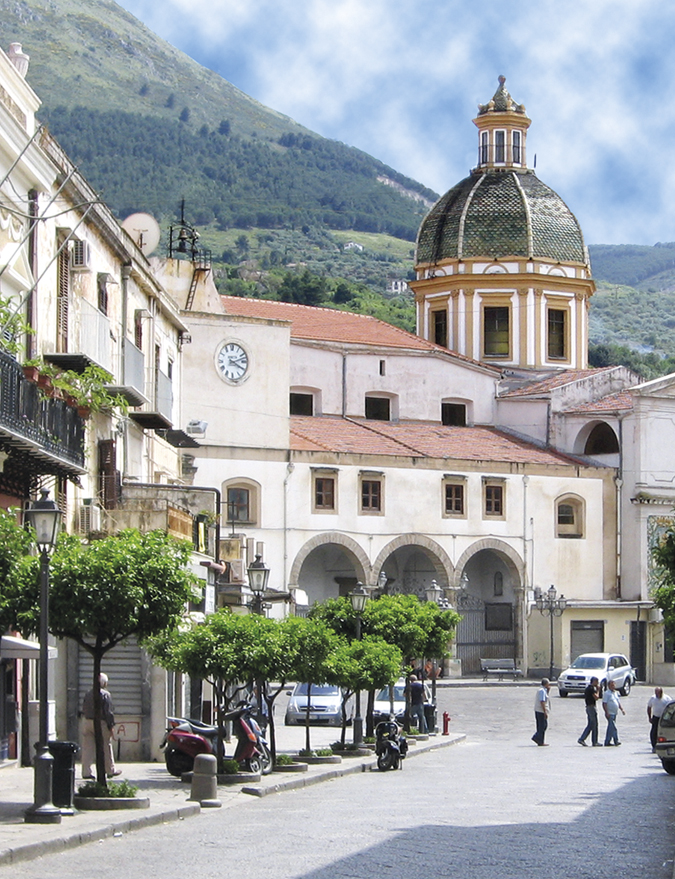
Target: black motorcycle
(390, 745)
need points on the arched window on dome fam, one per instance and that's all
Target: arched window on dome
(569, 516)
(557, 334)
(500, 147)
(601, 441)
(516, 140)
(484, 148)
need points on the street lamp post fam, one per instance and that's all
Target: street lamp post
(358, 598)
(435, 593)
(550, 604)
(258, 575)
(45, 518)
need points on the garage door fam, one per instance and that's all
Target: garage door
(124, 669)
(588, 636)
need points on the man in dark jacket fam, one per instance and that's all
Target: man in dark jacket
(591, 696)
(107, 724)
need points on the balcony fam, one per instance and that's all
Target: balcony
(47, 433)
(158, 417)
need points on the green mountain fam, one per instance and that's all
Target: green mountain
(148, 125)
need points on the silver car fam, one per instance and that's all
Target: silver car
(603, 666)
(325, 706)
(382, 706)
(665, 739)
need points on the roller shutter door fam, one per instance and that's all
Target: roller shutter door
(123, 665)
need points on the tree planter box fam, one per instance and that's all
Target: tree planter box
(354, 752)
(102, 804)
(316, 761)
(292, 767)
(239, 778)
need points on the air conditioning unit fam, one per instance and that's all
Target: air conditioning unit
(80, 255)
(655, 615)
(89, 518)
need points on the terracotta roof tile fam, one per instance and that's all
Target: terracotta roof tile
(556, 380)
(420, 439)
(332, 325)
(612, 403)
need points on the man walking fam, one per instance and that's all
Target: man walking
(655, 707)
(88, 735)
(611, 702)
(591, 696)
(417, 695)
(542, 707)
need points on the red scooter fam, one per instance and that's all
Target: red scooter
(184, 739)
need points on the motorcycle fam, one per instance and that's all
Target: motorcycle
(390, 745)
(184, 739)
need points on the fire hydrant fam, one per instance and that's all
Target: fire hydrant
(446, 723)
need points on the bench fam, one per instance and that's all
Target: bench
(499, 667)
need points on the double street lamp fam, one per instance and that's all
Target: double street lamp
(45, 518)
(358, 598)
(550, 604)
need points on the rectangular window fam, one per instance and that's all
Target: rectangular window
(494, 500)
(516, 148)
(102, 282)
(302, 404)
(453, 414)
(556, 333)
(378, 408)
(439, 327)
(324, 493)
(500, 139)
(484, 148)
(371, 496)
(496, 331)
(383, 367)
(238, 505)
(454, 499)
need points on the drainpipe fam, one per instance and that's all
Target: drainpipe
(290, 466)
(619, 518)
(124, 290)
(527, 574)
(344, 385)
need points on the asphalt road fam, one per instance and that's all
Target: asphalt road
(495, 806)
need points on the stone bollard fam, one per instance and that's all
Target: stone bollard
(204, 788)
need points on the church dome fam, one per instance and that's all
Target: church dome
(497, 213)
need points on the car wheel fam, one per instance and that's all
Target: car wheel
(625, 690)
(563, 693)
(669, 766)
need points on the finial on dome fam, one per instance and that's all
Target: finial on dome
(502, 79)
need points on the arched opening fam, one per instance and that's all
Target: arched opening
(601, 441)
(328, 566)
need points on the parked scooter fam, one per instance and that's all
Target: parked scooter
(390, 745)
(184, 739)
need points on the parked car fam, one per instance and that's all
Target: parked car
(603, 666)
(665, 739)
(381, 705)
(325, 705)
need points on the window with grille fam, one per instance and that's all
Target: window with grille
(238, 505)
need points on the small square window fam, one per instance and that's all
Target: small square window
(371, 496)
(378, 408)
(454, 499)
(324, 493)
(301, 404)
(494, 500)
(453, 414)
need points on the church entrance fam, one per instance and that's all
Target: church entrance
(490, 609)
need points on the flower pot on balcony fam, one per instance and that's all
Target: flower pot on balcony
(31, 373)
(45, 382)
(84, 412)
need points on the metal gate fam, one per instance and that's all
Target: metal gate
(475, 640)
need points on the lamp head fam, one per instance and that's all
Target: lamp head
(45, 518)
(258, 575)
(358, 598)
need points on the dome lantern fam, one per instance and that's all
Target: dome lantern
(502, 131)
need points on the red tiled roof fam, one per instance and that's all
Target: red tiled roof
(332, 325)
(420, 439)
(557, 380)
(613, 403)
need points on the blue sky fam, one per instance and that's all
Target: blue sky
(401, 79)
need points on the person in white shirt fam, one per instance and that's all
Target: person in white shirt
(611, 702)
(542, 708)
(655, 707)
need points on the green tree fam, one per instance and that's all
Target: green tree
(16, 544)
(364, 665)
(664, 593)
(129, 585)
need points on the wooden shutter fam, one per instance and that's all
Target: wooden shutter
(108, 476)
(62, 299)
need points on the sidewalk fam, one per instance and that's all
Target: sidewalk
(168, 797)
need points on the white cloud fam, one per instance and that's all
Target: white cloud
(401, 80)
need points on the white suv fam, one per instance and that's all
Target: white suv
(603, 666)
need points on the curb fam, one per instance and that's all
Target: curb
(352, 768)
(52, 846)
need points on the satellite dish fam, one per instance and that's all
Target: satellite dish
(144, 231)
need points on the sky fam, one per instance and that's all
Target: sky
(401, 80)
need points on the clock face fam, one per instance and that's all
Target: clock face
(232, 362)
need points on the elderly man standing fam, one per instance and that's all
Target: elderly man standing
(655, 707)
(542, 707)
(88, 736)
(611, 702)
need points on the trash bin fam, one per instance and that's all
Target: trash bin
(63, 774)
(430, 716)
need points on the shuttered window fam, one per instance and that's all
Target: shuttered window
(62, 299)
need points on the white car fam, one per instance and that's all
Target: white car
(381, 706)
(603, 666)
(325, 707)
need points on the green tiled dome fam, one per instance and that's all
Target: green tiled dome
(497, 213)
